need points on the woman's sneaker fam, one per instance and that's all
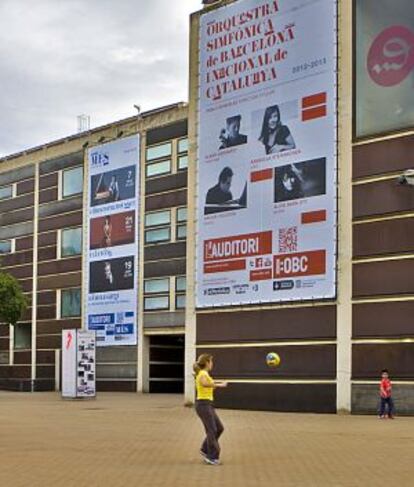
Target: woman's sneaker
(209, 461)
(203, 454)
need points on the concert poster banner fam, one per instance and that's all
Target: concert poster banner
(267, 153)
(112, 242)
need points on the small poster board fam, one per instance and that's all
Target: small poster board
(78, 364)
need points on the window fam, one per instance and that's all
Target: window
(156, 286)
(384, 81)
(180, 302)
(157, 218)
(159, 151)
(6, 246)
(70, 304)
(181, 227)
(71, 243)
(156, 303)
(183, 162)
(183, 145)
(180, 289)
(161, 287)
(22, 336)
(180, 284)
(181, 232)
(158, 168)
(161, 220)
(182, 214)
(6, 192)
(158, 235)
(72, 181)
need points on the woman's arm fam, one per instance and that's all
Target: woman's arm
(208, 382)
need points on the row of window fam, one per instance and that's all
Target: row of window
(158, 225)
(70, 184)
(157, 295)
(157, 229)
(160, 159)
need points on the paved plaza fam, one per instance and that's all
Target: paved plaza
(122, 440)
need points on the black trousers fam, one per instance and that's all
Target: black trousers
(213, 426)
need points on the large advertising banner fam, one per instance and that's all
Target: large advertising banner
(112, 246)
(266, 180)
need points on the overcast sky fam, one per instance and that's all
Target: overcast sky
(62, 58)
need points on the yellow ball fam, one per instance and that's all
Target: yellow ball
(272, 359)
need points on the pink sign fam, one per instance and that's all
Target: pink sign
(391, 56)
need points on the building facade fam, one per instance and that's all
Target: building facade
(333, 349)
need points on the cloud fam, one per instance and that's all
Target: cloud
(99, 57)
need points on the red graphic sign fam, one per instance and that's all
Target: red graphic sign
(69, 340)
(238, 246)
(391, 56)
(300, 264)
(230, 265)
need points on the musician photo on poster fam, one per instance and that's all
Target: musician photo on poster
(275, 136)
(300, 180)
(220, 198)
(112, 186)
(230, 136)
(111, 275)
(112, 230)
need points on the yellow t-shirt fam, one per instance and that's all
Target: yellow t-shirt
(204, 392)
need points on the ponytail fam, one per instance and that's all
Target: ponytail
(201, 363)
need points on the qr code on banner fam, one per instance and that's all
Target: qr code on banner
(288, 239)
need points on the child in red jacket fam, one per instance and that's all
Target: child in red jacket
(385, 393)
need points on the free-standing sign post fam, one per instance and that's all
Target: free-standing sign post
(267, 158)
(78, 364)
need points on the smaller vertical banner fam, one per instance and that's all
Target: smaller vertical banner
(111, 272)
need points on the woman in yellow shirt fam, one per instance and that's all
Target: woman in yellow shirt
(205, 385)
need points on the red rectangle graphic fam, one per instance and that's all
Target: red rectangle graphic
(312, 113)
(229, 265)
(313, 217)
(261, 274)
(313, 100)
(262, 175)
(310, 263)
(247, 245)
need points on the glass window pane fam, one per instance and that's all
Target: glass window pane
(182, 214)
(72, 181)
(158, 151)
(70, 303)
(183, 145)
(22, 337)
(158, 168)
(182, 231)
(180, 283)
(180, 302)
(183, 162)
(384, 78)
(159, 302)
(156, 286)
(158, 218)
(5, 246)
(6, 192)
(71, 242)
(159, 235)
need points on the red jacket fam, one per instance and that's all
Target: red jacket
(385, 388)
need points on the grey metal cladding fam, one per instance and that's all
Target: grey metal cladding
(16, 175)
(18, 230)
(59, 207)
(161, 320)
(70, 160)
